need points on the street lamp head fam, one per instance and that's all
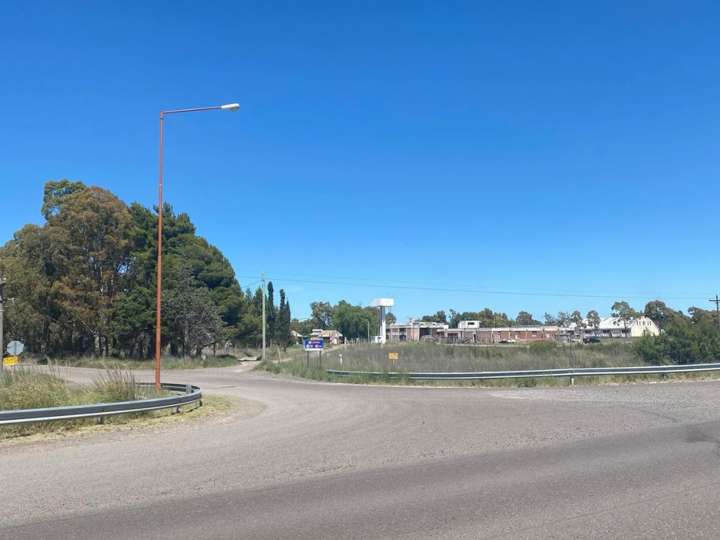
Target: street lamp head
(230, 107)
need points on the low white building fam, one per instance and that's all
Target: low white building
(642, 326)
(415, 331)
(612, 327)
(464, 325)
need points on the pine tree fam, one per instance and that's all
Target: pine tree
(282, 324)
(288, 319)
(270, 313)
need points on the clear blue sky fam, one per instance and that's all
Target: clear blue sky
(543, 148)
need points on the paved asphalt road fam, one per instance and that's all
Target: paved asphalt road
(344, 461)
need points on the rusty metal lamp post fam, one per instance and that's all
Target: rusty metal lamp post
(158, 291)
(2, 309)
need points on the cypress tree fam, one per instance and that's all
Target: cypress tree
(270, 313)
(282, 325)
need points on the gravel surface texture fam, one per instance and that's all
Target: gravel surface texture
(349, 461)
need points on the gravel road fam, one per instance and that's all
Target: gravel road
(349, 461)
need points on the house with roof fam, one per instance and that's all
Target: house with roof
(611, 327)
(330, 337)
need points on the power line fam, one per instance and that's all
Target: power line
(469, 290)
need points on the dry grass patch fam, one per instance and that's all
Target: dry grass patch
(215, 408)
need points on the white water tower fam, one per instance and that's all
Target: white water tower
(383, 303)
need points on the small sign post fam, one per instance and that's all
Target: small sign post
(313, 344)
(393, 357)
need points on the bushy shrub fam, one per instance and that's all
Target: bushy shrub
(116, 385)
(685, 341)
(26, 389)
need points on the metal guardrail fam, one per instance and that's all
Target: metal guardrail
(186, 394)
(531, 373)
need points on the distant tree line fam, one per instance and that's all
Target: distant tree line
(352, 321)
(488, 318)
(684, 338)
(84, 282)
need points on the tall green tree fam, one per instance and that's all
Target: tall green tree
(593, 318)
(525, 318)
(192, 319)
(576, 318)
(85, 280)
(270, 313)
(660, 313)
(625, 313)
(353, 321)
(438, 317)
(282, 323)
(89, 230)
(322, 314)
(54, 194)
(302, 327)
(486, 317)
(684, 340)
(35, 316)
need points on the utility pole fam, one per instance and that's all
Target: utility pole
(716, 301)
(2, 314)
(264, 318)
(368, 323)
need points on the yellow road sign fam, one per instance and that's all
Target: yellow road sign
(11, 360)
(393, 356)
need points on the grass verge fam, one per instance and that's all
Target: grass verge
(299, 368)
(413, 357)
(129, 364)
(214, 407)
(22, 388)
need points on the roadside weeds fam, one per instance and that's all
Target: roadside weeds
(215, 408)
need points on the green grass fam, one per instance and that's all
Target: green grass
(129, 364)
(23, 388)
(421, 357)
(298, 368)
(274, 353)
(415, 357)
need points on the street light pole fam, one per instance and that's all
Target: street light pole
(2, 315)
(158, 281)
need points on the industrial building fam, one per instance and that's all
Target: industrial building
(416, 331)
(503, 334)
(470, 332)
